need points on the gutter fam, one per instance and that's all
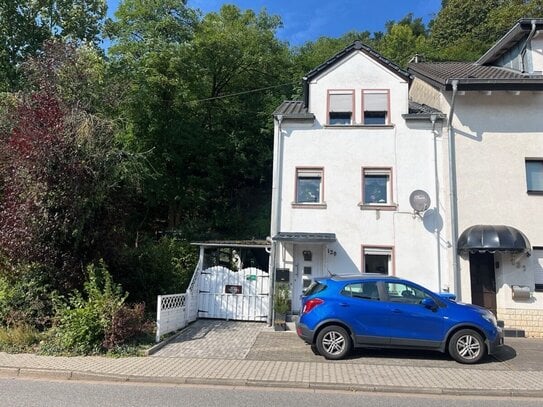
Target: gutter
(275, 210)
(525, 46)
(453, 193)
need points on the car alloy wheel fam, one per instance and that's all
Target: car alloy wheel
(467, 346)
(333, 342)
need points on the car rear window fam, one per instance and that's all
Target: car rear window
(314, 288)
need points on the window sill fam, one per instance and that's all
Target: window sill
(309, 205)
(359, 126)
(377, 207)
(534, 192)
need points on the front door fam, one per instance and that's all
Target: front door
(483, 280)
(307, 265)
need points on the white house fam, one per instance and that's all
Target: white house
(347, 159)
(495, 133)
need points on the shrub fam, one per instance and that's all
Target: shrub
(83, 321)
(25, 297)
(156, 267)
(127, 323)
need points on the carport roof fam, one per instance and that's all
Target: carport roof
(305, 237)
(233, 243)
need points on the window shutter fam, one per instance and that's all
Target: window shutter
(375, 101)
(377, 251)
(341, 102)
(309, 173)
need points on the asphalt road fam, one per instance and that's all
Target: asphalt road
(18, 393)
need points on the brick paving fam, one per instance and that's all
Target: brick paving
(265, 358)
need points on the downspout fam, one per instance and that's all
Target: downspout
(452, 187)
(525, 46)
(437, 233)
(275, 210)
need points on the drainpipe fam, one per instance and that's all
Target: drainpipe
(437, 233)
(453, 198)
(276, 209)
(525, 46)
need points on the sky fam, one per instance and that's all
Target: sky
(307, 20)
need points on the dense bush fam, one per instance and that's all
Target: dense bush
(25, 297)
(20, 338)
(89, 322)
(156, 267)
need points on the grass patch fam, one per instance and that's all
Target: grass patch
(22, 338)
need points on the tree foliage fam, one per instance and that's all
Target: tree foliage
(25, 26)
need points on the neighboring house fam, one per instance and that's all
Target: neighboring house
(347, 159)
(495, 110)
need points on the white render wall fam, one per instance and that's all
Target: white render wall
(342, 151)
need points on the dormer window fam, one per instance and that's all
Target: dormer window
(376, 106)
(340, 107)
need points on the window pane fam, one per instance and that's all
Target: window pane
(534, 175)
(376, 263)
(308, 189)
(340, 118)
(375, 117)
(375, 189)
(403, 293)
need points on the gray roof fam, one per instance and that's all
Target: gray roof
(233, 243)
(519, 32)
(418, 110)
(294, 109)
(472, 76)
(481, 75)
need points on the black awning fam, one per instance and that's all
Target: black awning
(493, 238)
(304, 237)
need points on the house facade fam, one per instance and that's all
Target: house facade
(495, 134)
(347, 160)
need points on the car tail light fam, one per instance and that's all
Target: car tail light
(310, 304)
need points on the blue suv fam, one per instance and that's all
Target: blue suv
(374, 310)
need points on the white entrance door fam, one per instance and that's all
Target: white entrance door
(307, 265)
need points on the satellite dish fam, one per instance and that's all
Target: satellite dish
(419, 200)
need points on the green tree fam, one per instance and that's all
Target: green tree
(191, 103)
(26, 24)
(456, 33)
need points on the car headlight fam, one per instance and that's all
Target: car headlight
(489, 316)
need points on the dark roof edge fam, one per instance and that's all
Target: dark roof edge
(424, 116)
(522, 25)
(357, 46)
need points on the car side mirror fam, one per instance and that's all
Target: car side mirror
(429, 303)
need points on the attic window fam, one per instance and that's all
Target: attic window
(376, 106)
(340, 107)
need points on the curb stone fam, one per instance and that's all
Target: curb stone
(93, 376)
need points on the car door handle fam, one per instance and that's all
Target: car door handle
(396, 311)
(343, 304)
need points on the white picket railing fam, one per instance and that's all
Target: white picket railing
(176, 311)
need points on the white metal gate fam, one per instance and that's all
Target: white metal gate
(226, 294)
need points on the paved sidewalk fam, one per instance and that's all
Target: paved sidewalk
(383, 372)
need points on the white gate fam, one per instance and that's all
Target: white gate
(226, 294)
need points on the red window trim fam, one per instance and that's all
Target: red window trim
(315, 205)
(387, 91)
(375, 246)
(353, 91)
